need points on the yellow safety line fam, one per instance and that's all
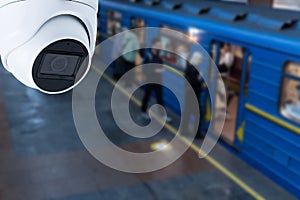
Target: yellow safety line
(175, 71)
(273, 119)
(211, 160)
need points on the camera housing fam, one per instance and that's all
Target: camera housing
(48, 44)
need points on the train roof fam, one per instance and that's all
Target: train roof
(277, 25)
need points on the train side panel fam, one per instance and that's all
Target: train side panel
(268, 144)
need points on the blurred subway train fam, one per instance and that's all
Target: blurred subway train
(263, 82)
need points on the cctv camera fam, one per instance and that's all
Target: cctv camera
(48, 44)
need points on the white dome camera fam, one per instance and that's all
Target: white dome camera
(48, 44)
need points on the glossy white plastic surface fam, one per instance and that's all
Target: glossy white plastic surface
(28, 26)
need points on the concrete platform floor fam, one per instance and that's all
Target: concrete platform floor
(42, 157)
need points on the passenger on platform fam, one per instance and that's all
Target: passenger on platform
(130, 47)
(226, 59)
(195, 80)
(183, 56)
(118, 70)
(154, 74)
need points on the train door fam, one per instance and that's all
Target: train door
(233, 62)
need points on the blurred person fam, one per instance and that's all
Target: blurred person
(118, 70)
(182, 56)
(138, 24)
(194, 78)
(226, 59)
(153, 74)
(225, 64)
(130, 47)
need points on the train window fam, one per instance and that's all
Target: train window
(290, 94)
(175, 43)
(114, 22)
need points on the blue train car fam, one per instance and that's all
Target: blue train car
(263, 81)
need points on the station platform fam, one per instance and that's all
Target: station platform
(42, 157)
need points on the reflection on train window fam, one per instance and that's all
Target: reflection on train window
(138, 23)
(290, 94)
(178, 44)
(114, 22)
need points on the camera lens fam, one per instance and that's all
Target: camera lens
(59, 64)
